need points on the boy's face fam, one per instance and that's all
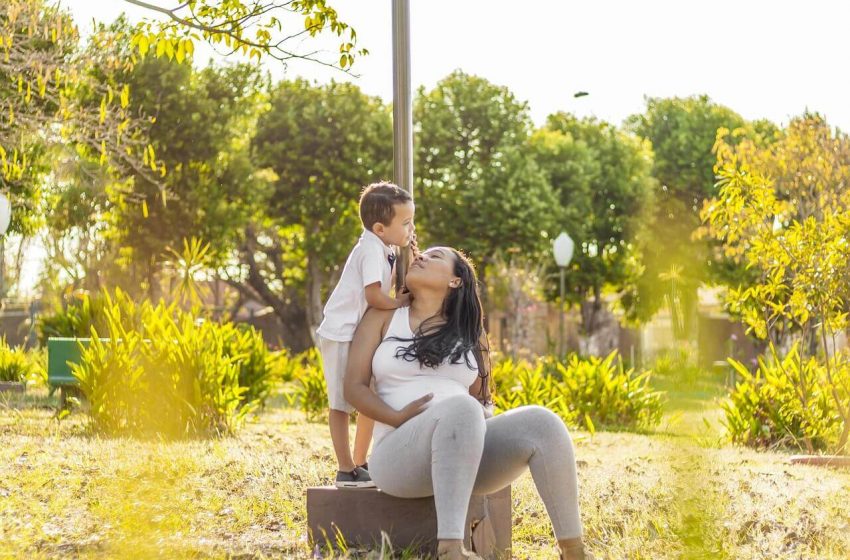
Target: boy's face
(400, 231)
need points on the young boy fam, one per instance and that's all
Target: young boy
(387, 215)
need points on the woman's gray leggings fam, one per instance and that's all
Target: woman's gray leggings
(450, 451)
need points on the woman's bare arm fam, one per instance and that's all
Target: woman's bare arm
(358, 373)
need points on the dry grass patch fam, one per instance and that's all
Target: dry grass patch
(63, 492)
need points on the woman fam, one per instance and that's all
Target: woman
(431, 435)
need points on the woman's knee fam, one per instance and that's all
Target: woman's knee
(543, 421)
(463, 407)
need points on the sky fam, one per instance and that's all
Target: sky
(764, 59)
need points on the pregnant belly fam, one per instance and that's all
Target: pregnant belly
(401, 395)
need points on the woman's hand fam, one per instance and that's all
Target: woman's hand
(413, 409)
(414, 249)
(489, 410)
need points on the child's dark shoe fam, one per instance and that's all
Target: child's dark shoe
(358, 478)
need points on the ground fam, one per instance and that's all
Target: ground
(679, 492)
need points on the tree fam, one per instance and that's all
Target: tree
(801, 179)
(784, 211)
(602, 178)
(203, 122)
(323, 145)
(478, 189)
(58, 117)
(682, 132)
(74, 237)
(255, 28)
(515, 288)
(54, 109)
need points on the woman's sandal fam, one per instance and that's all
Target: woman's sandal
(463, 554)
(585, 555)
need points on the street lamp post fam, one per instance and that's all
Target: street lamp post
(562, 248)
(402, 113)
(5, 218)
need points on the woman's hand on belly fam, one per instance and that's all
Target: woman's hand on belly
(412, 409)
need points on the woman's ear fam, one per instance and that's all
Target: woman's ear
(456, 283)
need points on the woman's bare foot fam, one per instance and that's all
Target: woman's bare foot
(454, 550)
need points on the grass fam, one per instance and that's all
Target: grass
(678, 493)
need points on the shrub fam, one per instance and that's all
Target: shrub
(519, 384)
(288, 365)
(585, 393)
(792, 236)
(85, 311)
(72, 322)
(784, 404)
(161, 372)
(15, 363)
(308, 389)
(613, 397)
(676, 365)
(38, 372)
(588, 393)
(258, 368)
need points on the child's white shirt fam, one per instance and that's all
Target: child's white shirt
(367, 264)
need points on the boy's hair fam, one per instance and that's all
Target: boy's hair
(377, 203)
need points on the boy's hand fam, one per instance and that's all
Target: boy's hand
(404, 299)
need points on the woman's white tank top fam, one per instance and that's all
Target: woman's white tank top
(398, 381)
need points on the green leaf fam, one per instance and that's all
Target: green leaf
(144, 44)
(125, 96)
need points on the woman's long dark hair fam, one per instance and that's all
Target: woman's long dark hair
(436, 341)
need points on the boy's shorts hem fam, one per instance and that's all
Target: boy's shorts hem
(334, 361)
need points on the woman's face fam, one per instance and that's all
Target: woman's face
(433, 269)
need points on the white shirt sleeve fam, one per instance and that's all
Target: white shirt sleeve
(372, 263)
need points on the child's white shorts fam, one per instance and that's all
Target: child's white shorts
(334, 361)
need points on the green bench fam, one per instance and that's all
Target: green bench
(62, 353)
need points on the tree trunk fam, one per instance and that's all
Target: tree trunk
(597, 325)
(590, 312)
(842, 441)
(482, 287)
(314, 298)
(292, 316)
(154, 292)
(289, 309)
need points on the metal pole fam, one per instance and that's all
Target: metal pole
(402, 113)
(561, 336)
(2, 268)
